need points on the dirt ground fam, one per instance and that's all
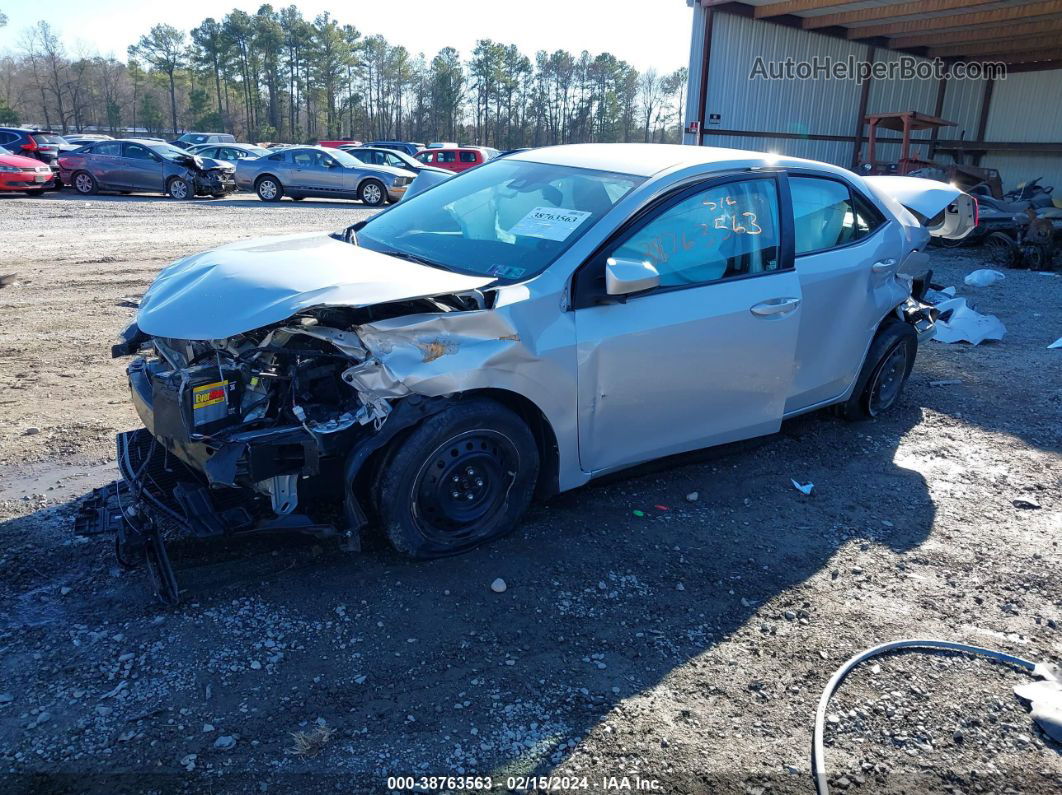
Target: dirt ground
(684, 649)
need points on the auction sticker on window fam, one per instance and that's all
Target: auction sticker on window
(549, 223)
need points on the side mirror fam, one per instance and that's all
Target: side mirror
(624, 276)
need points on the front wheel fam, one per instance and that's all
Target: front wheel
(888, 364)
(178, 188)
(372, 193)
(462, 477)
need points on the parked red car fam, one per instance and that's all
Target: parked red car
(458, 158)
(24, 173)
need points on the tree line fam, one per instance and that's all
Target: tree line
(277, 76)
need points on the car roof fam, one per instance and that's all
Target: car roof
(645, 160)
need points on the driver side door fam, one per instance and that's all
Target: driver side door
(706, 356)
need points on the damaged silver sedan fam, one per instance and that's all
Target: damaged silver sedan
(516, 330)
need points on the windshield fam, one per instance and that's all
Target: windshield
(510, 219)
(4, 151)
(168, 151)
(345, 158)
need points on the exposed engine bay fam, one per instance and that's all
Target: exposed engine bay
(266, 430)
(208, 179)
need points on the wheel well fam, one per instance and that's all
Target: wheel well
(260, 177)
(371, 179)
(545, 438)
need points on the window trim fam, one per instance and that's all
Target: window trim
(853, 194)
(584, 296)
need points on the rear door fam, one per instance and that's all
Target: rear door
(104, 163)
(707, 356)
(847, 256)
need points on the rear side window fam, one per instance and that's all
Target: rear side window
(110, 148)
(826, 214)
(45, 138)
(723, 232)
(277, 157)
(468, 157)
(445, 157)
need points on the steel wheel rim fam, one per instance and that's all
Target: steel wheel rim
(462, 485)
(887, 381)
(371, 193)
(179, 189)
(267, 189)
(83, 182)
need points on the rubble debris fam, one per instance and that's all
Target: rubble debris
(983, 277)
(959, 323)
(498, 586)
(803, 488)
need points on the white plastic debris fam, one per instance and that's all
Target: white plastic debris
(803, 488)
(498, 586)
(983, 277)
(959, 323)
(939, 296)
(1056, 344)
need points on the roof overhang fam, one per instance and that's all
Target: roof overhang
(1025, 35)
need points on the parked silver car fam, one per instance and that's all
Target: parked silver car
(524, 327)
(133, 164)
(302, 171)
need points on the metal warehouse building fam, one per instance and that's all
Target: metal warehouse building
(1011, 123)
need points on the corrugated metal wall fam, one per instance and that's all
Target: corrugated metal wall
(1024, 107)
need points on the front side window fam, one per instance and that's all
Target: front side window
(138, 152)
(722, 232)
(468, 157)
(826, 215)
(510, 219)
(445, 157)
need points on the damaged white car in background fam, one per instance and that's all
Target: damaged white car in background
(518, 329)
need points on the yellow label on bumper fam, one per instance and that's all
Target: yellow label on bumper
(209, 394)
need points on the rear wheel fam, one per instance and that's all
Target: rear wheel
(1002, 250)
(885, 371)
(85, 183)
(179, 188)
(269, 189)
(462, 477)
(372, 193)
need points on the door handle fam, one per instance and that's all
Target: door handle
(883, 266)
(775, 307)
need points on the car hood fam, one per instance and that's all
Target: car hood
(253, 283)
(20, 161)
(398, 172)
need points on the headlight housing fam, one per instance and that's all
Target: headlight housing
(10, 170)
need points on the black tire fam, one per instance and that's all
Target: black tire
(269, 188)
(218, 195)
(477, 450)
(1002, 250)
(180, 189)
(36, 192)
(297, 198)
(885, 371)
(372, 193)
(85, 184)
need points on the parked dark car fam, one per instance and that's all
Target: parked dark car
(399, 146)
(193, 138)
(139, 165)
(378, 156)
(38, 144)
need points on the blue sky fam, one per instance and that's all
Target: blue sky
(646, 33)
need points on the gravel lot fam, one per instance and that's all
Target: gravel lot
(687, 646)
